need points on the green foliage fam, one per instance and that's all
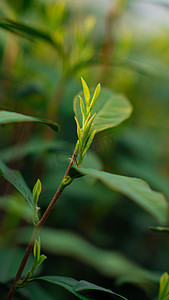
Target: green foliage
(38, 260)
(79, 288)
(45, 47)
(111, 109)
(134, 188)
(16, 179)
(36, 193)
(164, 287)
(112, 264)
(7, 117)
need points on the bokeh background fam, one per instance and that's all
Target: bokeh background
(124, 45)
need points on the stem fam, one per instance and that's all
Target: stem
(36, 232)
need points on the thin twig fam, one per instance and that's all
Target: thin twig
(35, 233)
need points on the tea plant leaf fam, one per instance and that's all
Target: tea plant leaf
(28, 32)
(110, 108)
(16, 179)
(110, 263)
(164, 287)
(7, 117)
(81, 289)
(134, 188)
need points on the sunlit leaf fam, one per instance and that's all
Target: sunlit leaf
(81, 289)
(164, 287)
(110, 108)
(7, 117)
(136, 189)
(16, 179)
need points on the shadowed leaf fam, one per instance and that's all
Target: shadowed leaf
(7, 117)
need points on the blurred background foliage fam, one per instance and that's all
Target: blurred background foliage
(92, 233)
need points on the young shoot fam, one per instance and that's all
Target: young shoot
(85, 131)
(36, 193)
(38, 260)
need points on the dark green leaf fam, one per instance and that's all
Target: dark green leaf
(16, 179)
(7, 117)
(78, 288)
(136, 189)
(109, 263)
(28, 32)
(160, 229)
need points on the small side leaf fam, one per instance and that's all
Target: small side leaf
(36, 192)
(7, 117)
(16, 179)
(81, 289)
(41, 259)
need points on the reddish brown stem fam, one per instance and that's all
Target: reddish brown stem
(35, 233)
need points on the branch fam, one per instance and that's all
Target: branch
(36, 232)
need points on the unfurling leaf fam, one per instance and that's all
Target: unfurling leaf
(36, 192)
(95, 96)
(86, 92)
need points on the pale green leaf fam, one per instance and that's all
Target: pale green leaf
(95, 95)
(164, 287)
(41, 259)
(136, 189)
(36, 192)
(110, 108)
(86, 91)
(7, 117)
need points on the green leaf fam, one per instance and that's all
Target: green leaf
(16, 179)
(95, 95)
(164, 287)
(86, 92)
(110, 263)
(36, 250)
(16, 205)
(110, 108)
(41, 259)
(7, 117)
(78, 288)
(36, 192)
(136, 189)
(29, 32)
(160, 229)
